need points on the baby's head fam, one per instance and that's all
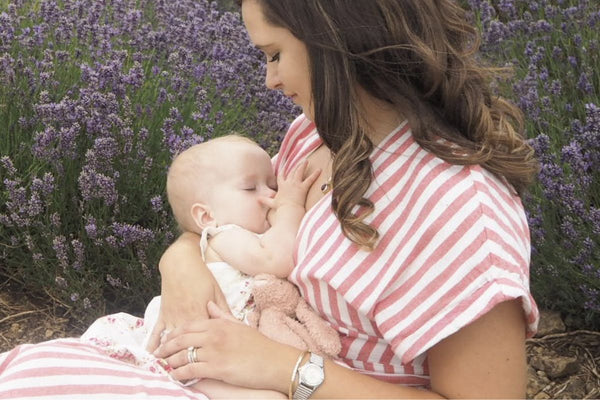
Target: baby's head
(222, 181)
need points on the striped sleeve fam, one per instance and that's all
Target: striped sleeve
(298, 142)
(469, 251)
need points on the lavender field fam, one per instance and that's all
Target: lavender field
(97, 96)
(553, 47)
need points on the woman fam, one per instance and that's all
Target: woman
(419, 254)
(415, 246)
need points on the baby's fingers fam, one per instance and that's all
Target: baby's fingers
(298, 172)
(310, 179)
(267, 201)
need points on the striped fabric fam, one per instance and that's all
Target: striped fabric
(454, 242)
(72, 369)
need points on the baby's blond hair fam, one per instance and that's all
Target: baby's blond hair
(191, 174)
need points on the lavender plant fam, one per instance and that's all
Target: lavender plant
(95, 99)
(553, 48)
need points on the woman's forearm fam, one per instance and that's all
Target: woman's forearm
(342, 382)
(187, 283)
(184, 252)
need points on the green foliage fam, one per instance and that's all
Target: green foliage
(552, 47)
(95, 99)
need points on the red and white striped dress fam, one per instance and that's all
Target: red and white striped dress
(454, 242)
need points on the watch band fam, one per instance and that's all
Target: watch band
(295, 372)
(305, 388)
(303, 392)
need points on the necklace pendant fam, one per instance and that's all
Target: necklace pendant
(326, 187)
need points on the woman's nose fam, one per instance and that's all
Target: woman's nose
(272, 78)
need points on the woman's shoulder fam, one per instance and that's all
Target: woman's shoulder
(301, 138)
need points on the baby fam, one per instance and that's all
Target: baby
(226, 191)
(223, 190)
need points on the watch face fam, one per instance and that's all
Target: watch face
(312, 375)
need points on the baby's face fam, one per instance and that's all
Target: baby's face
(244, 175)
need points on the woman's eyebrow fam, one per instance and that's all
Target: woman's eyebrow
(262, 47)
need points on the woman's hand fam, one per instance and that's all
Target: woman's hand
(187, 286)
(228, 350)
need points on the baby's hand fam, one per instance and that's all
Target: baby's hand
(292, 189)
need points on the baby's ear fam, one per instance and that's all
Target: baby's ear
(202, 216)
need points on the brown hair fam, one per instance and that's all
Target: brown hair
(418, 56)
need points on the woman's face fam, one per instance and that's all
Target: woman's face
(287, 56)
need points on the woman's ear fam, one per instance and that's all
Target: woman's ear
(202, 216)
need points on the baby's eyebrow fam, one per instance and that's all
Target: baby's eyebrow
(248, 177)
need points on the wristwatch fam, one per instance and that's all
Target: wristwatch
(310, 376)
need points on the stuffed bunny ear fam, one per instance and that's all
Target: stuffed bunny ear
(326, 338)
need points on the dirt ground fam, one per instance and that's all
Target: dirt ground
(562, 365)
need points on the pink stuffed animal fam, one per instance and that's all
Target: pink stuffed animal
(283, 315)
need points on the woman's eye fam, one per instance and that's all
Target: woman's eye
(250, 189)
(274, 58)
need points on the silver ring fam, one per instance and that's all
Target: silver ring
(191, 355)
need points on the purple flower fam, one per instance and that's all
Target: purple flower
(157, 204)
(8, 165)
(584, 84)
(90, 227)
(59, 244)
(496, 32)
(94, 185)
(573, 61)
(55, 220)
(128, 234)
(79, 252)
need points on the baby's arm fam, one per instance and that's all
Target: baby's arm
(273, 252)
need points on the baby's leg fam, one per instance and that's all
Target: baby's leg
(215, 389)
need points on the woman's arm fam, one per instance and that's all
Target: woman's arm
(485, 359)
(187, 286)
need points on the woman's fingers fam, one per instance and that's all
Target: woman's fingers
(188, 355)
(180, 339)
(231, 352)
(214, 311)
(156, 336)
(198, 370)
